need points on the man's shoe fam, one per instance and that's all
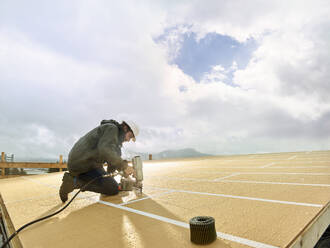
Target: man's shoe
(67, 186)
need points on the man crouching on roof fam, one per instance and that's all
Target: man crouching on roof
(90, 152)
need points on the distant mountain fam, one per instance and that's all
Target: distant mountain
(181, 153)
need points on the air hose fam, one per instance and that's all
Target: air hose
(50, 215)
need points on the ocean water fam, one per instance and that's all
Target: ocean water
(28, 171)
(35, 171)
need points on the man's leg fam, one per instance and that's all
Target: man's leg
(103, 185)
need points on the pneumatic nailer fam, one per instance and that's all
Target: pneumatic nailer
(127, 184)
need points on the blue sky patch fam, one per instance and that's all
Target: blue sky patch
(196, 58)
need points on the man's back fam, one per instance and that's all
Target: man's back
(85, 154)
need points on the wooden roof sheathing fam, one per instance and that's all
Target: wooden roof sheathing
(257, 200)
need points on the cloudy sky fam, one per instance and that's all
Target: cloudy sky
(222, 76)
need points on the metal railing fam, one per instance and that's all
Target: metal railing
(4, 163)
(9, 158)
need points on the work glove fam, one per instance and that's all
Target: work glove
(128, 171)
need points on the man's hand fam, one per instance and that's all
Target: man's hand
(129, 171)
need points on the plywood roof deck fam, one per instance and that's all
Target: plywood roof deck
(257, 200)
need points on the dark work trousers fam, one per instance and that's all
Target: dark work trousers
(103, 185)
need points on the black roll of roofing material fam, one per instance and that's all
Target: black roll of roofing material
(202, 230)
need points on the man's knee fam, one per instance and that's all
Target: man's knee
(110, 186)
(112, 191)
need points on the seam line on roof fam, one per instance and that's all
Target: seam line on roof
(244, 181)
(268, 165)
(221, 178)
(244, 198)
(236, 239)
(280, 183)
(286, 173)
(278, 160)
(273, 173)
(148, 197)
(258, 167)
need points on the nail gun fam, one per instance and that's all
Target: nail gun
(128, 183)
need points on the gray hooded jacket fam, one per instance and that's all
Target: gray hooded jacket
(100, 145)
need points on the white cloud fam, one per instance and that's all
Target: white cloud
(67, 66)
(217, 73)
(172, 40)
(287, 66)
